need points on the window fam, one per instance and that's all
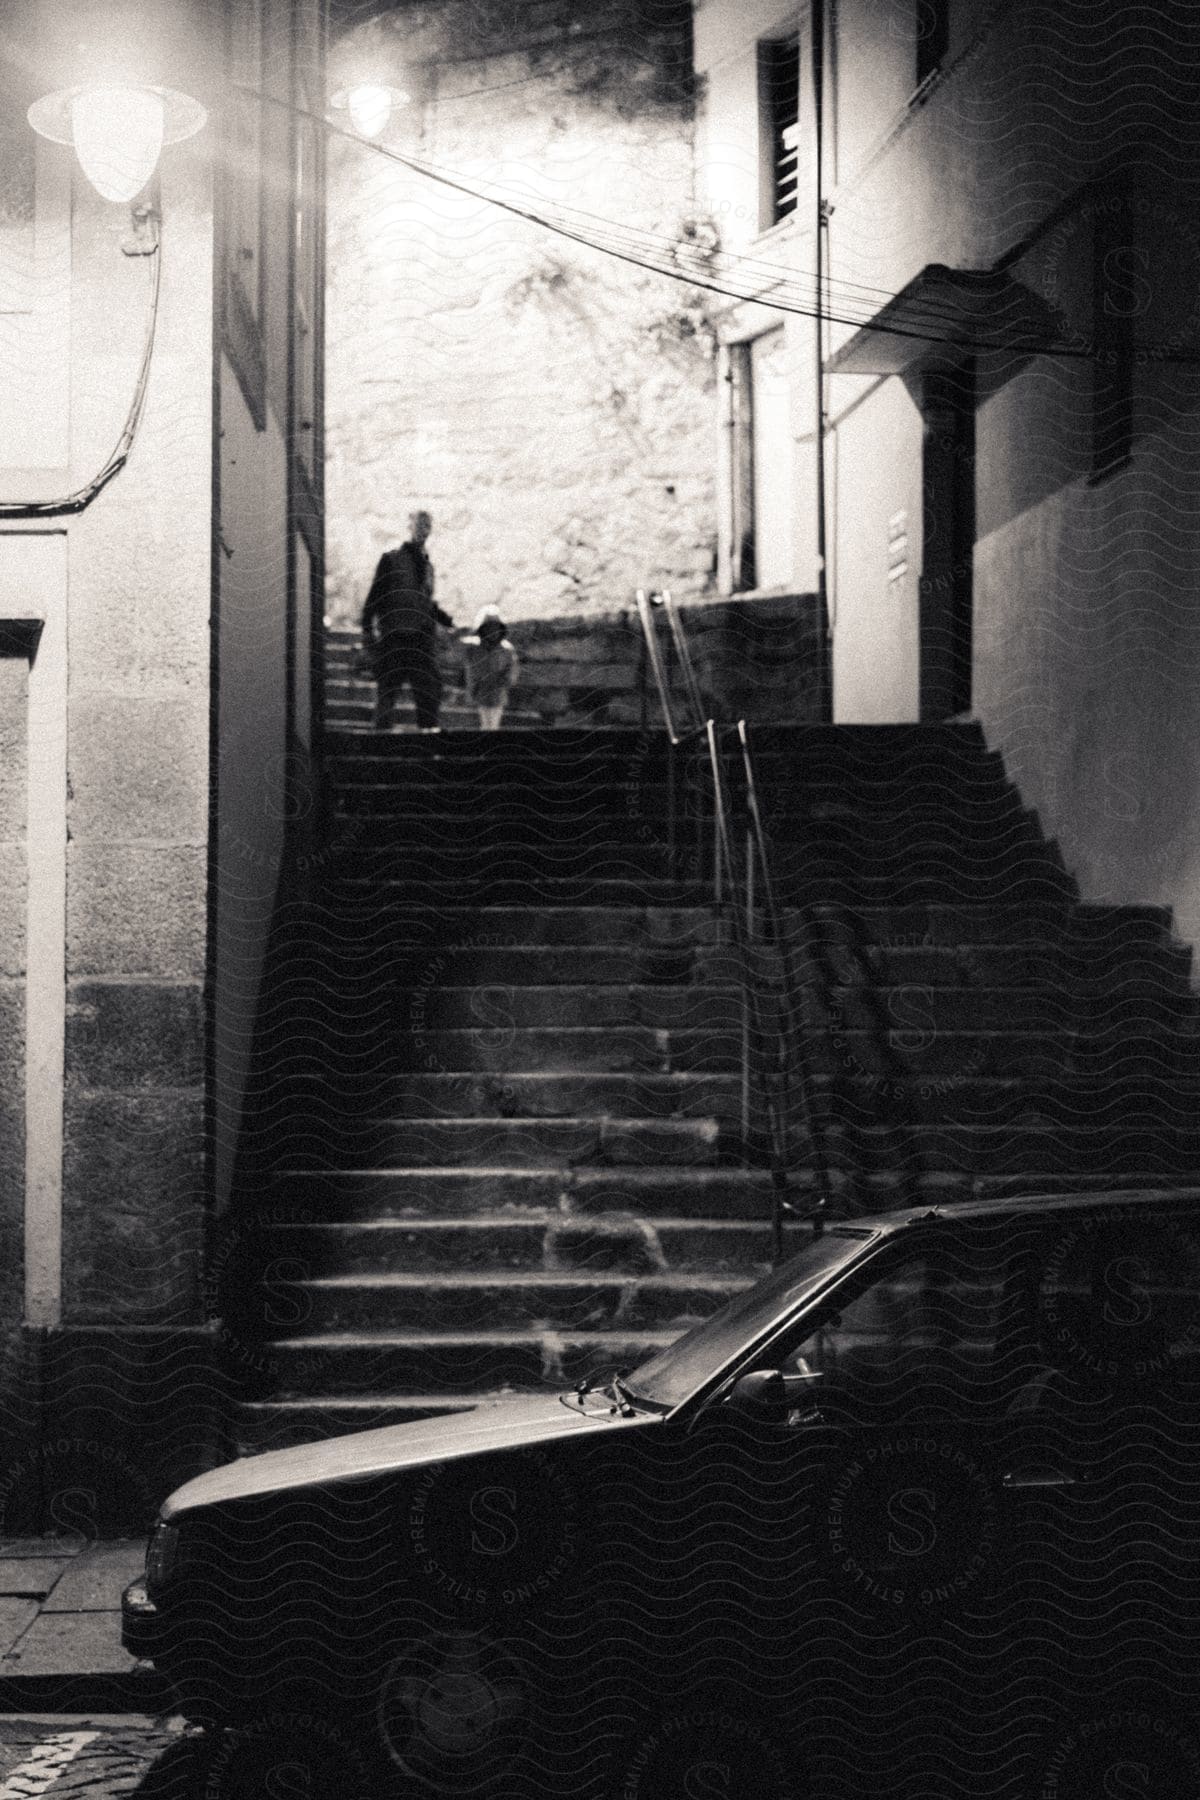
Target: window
(779, 121)
(762, 523)
(933, 36)
(920, 1340)
(1032, 1322)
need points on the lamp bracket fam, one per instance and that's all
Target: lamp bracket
(145, 233)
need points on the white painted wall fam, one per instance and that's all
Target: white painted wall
(875, 468)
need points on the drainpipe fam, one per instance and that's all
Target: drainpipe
(817, 33)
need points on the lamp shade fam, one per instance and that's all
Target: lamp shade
(369, 104)
(117, 133)
(370, 108)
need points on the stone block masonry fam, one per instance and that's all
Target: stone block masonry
(551, 405)
(758, 659)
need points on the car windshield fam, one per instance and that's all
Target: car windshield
(674, 1373)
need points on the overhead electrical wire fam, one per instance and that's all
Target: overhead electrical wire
(713, 271)
(119, 456)
(777, 288)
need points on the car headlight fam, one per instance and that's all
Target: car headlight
(161, 1554)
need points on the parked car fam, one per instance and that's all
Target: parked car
(925, 1500)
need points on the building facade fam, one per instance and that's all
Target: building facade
(596, 360)
(1008, 331)
(157, 716)
(1014, 445)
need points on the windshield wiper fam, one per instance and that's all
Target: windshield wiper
(617, 1393)
(626, 1395)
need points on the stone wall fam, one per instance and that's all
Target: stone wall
(102, 1142)
(137, 758)
(551, 405)
(756, 659)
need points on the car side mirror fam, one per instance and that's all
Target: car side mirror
(761, 1395)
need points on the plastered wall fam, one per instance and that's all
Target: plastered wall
(1085, 571)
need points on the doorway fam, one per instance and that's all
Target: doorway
(947, 560)
(762, 548)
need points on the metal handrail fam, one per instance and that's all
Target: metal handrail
(792, 1077)
(792, 1066)
(644, 602)
(675, 739)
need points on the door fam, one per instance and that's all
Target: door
(946, 588)
(771, 460)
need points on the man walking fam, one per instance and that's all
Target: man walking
(399, 623)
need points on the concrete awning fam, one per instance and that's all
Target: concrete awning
(947, 310)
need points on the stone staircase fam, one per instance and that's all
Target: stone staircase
(350, 691)
(501, 1091)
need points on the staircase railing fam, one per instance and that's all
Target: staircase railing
(776, 1076)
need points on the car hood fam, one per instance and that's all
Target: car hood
(502, 1425)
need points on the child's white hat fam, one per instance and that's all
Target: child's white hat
(489, 615)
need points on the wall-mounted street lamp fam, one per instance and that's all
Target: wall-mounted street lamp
(117, 131)
(370, 105)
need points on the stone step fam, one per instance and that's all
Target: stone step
(357, 1049)
(523, 1143)
(359, 717)
(962, 1097)
(813, 882)
(524, 882)
(1137, 1103)
(462, 1301)
(742, 1196)
(1059, 963)
(541, 1096)
(914, 1009)
(359, 1363)
(363, 913)
(702, 1193)
(387, 1134)
(375, 1058)
(957, 749)
(498, 1009)
(510, 785)
(489, 1242)
(368, 917)
(467, 853)
(482, 964)
(537, 679)
(518, 885)
(368, 967)
(389, 835)
(1121, 1149)
(504, 797)
(592, 746)
(542, 966)
(850, 1142)
(490, 796)
(388, 843)
(643, 764)
(347, 709)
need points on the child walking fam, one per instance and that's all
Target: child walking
(491, 668)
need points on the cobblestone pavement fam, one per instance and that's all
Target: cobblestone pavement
(80, 1755)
